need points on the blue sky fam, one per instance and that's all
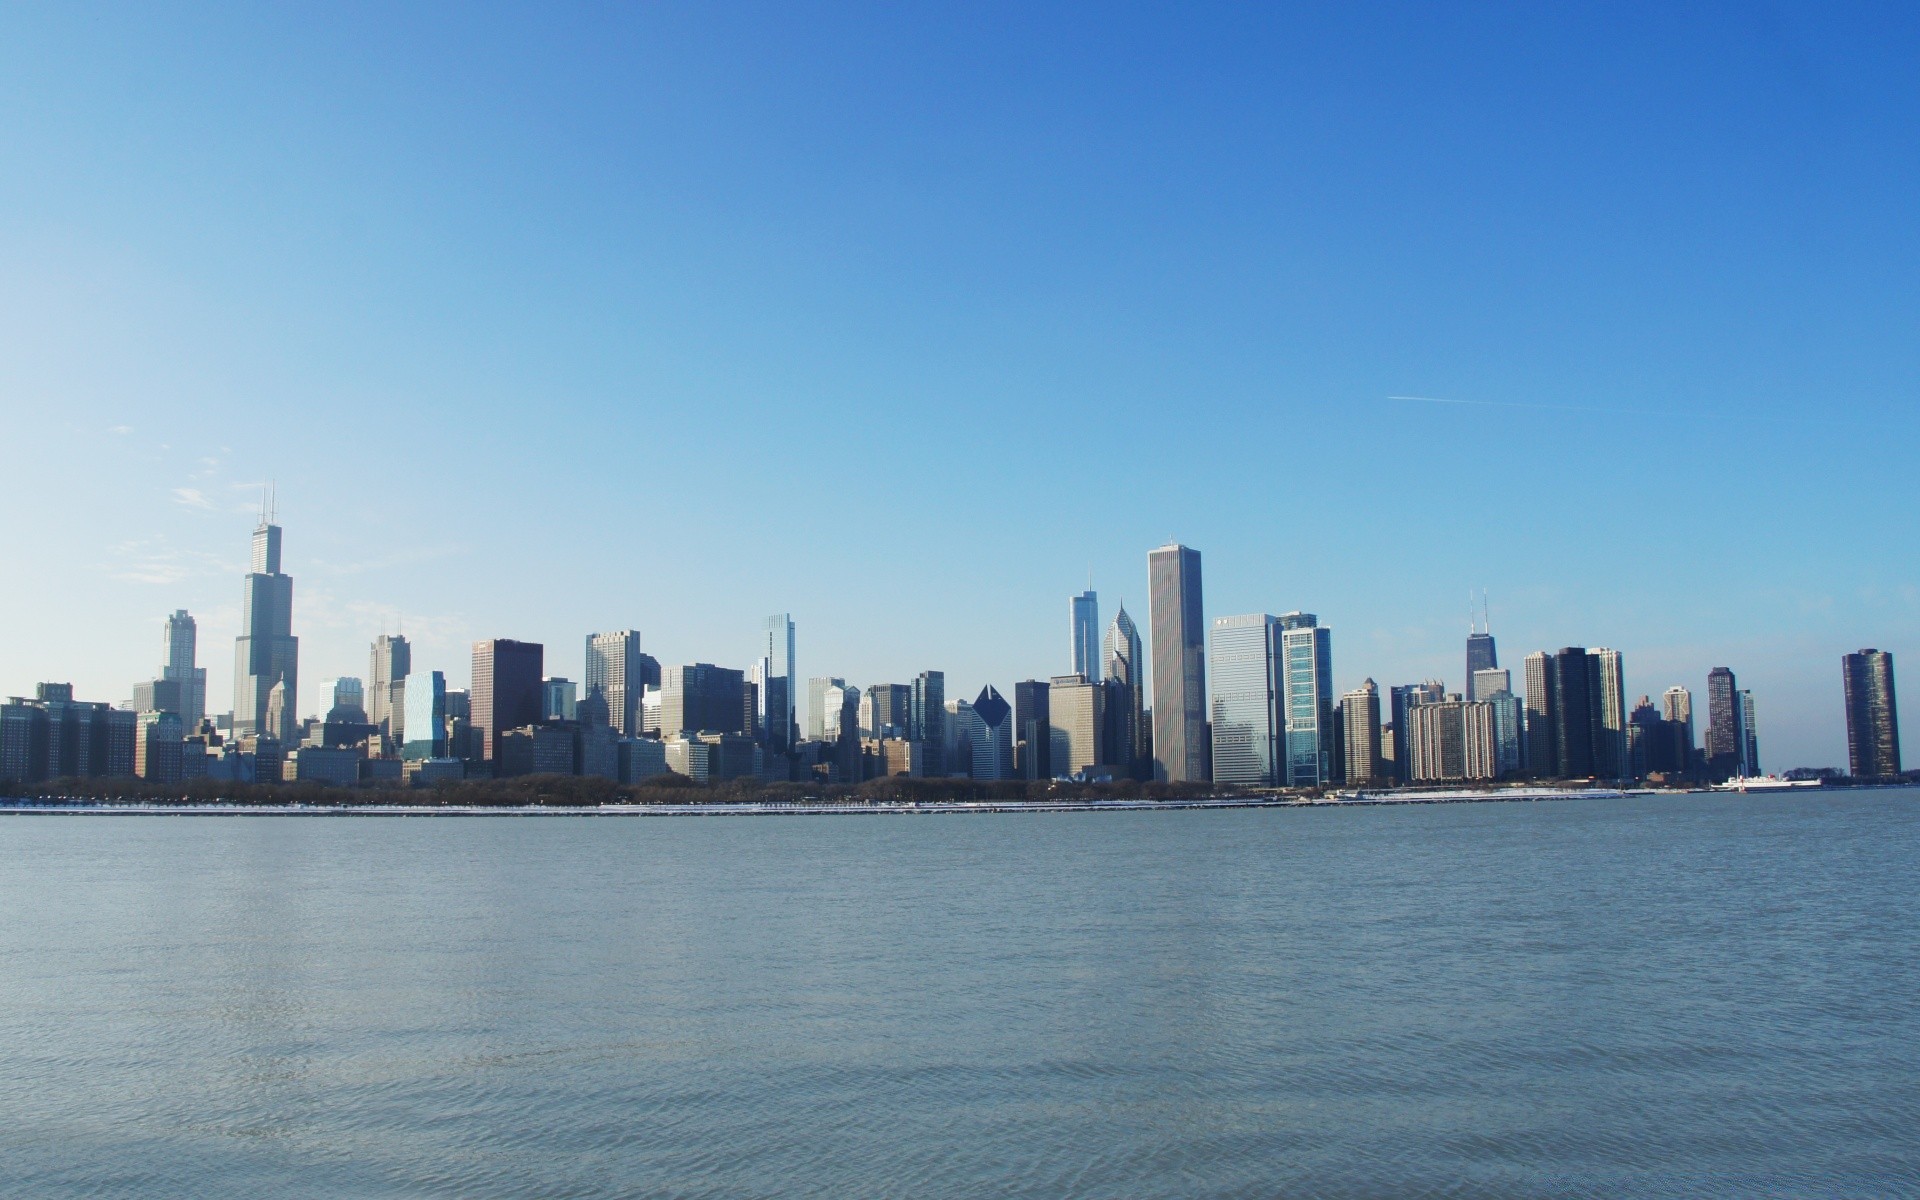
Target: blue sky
(557, 318)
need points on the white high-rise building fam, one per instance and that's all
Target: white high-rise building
(391, 662)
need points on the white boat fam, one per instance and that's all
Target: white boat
(1763, 783)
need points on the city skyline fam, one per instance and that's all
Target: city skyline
(1317, 314)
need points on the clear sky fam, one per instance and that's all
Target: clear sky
(901, 318)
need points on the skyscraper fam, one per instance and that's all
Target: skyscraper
(1032, 732)
(506, 691)
(266, 654)
(392, 661)
(1085, 632)
(775, 675)
(1306, 677)
(1676, 707)
(1572, 681)
(890, 710)
(425, 719)
(1360, 713)
(1724, 743)
(701, 698)
(929, 720)
(821, 715)
(1179, 665)
(622, 674)
(1749, 736)
(1873, 717)
(1543, 752)
(1481, 653)
(1244, 661)
(1126, 666)
(1402, 698)
(1077, 708)
(992, 736)
(182, 636)
(1609, 713)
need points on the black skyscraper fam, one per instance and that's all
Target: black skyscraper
(1724, 739)
(1873, 720)
(1032, 715)
(1575, 717)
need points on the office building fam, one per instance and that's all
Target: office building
(425, 718)
(1676, 707)
(776, 678)
(1725, 743)
(1487, 681)
(1244, 664)
(1749, 736)
(158, 747)
(702, 698)
(818, 710)
(1360, 721)
(886, 711)
(1124, 660)
(1077, 719)
(1175, 609)
(1085, 633)
(506, 691)
(390, 662)
(1306, 679)
(559, 699)
(1033, 737)
(180, 669)
(617, 668)
(1873, 716)
(991, 736)
(1543, 754)
(927, 719)
(1509, 732)
(53, 736)
(266, 655)
(1481, 653)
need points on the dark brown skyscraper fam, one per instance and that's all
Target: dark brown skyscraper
(1724, 741)
(506, 689)
(1873, 721)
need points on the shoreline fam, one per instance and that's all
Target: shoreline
(801, 809)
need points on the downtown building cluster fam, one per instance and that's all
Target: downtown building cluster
(1244, 700)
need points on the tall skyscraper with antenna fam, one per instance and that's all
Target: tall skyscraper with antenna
(1086, 634)
(266, 655)
(1481, 655)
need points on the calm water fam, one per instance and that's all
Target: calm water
(1698, 996)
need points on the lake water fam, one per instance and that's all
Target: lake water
(1662, 996)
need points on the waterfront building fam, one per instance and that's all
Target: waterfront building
(1725, 744)
(1610, 714)
(776, 678)
(425, 718)
(335, 766)
(1543, 754)
(714, 757)
(1179, 665)
(701, 697)
(1575, 720)
(559, 699)
(1676, 707)
(1452, 741)
(927, 713)
(1085, 633)
(1749, 736)
(1873, 717)
(991, 736)
(158, 747)
(617, 667)
(1076, 720)
(1306, 677)
(1033, 737)
(506, 692)
(1401, 699)
(1360, 722)
(390, 663)
(1509, 732)
(1124, 661)
(266, 654)
(1244, 659)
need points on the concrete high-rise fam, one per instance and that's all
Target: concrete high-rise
(390, 664)
(266, 655)
(1077, 720)
(1542, 752)
(1402, 699)
(1676, 707)
(1873, 716)
(1175, 608)
(1360, 714)
(1125, 663)
(507, 691)
(1609, 714)
(1306, 681)
(1085, 632)
(617, 668)
(1244, 661)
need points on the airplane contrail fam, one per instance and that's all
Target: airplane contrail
(1541, 407)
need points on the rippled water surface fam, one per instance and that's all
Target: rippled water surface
(1682, 996)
